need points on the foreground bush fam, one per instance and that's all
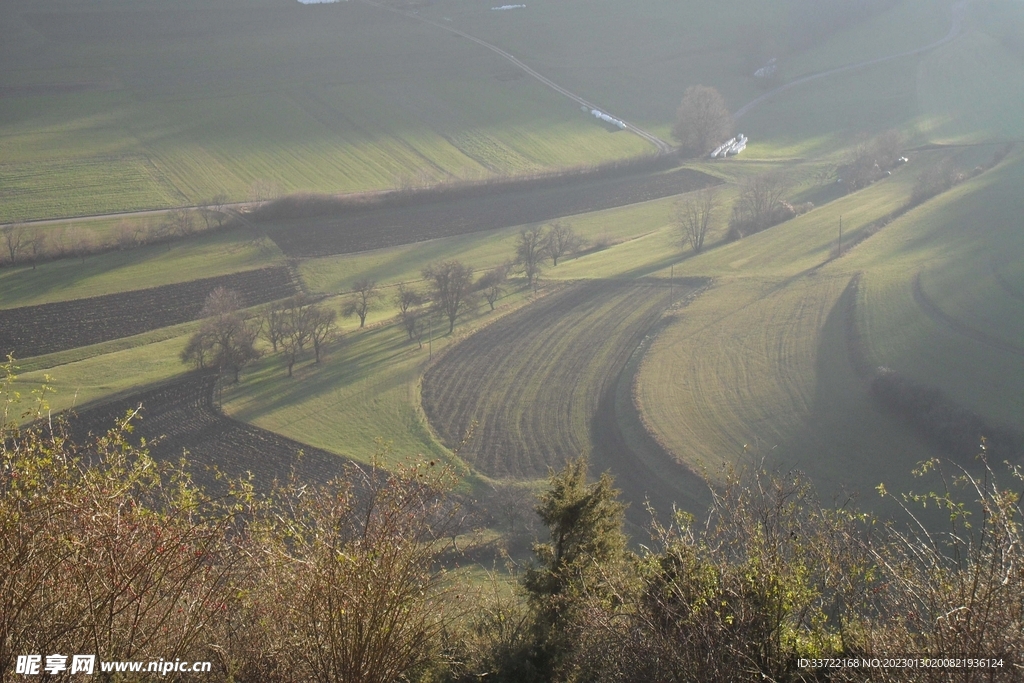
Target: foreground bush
(105, 551)
(769, 579)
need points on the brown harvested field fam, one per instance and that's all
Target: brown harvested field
(181, 416)
(353, 228)
(48, 328)
(552, 381)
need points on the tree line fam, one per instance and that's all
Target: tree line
(27, 244)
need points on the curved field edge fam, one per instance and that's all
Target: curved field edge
(543, 385)
(759, 369)
(180, 418)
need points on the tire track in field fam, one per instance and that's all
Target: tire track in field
(856, 347)
(1005, 284)
(932, 310)
(542, 386)
(959, 11)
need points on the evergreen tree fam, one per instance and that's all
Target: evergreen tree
(585, 525)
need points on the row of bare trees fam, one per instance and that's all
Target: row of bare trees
(450, 290)
(226, 338)
(27, 244)
(535, 245)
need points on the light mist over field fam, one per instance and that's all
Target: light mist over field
(573, 340)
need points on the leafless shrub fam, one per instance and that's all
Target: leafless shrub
(355, 559)
(760, 204)
(693, 216)
(935, 180)
(104, 550)
(955, 593)
(871, 159)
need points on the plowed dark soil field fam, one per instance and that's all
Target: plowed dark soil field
(549, 382)
(359, 229)
(181, 416)
(47, 328)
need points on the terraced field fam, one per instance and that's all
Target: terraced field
(36, 330)
(180, 416)
(539, 387)
(778, 359)
(362, 229)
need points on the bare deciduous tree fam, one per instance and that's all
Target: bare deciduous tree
(492, 283)
(562, 240)
(451, 282)
(14, 237)
(36, 245)
(693, 215)
(531, 250)
(81, 241)
(322, 327)
(407, 299)
(274, 325)
(365, 294)
(226, 339)
(180, 223)
(298, 331)
(513, 504)
(702, 120)
(760, 204)
(128, 235)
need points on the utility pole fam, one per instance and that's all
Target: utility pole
(671, 277)
(430, 339)
(840, 235)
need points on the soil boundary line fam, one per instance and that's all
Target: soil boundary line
(959, 11)
(937, 315)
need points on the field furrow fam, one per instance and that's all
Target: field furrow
(47, 328)
(528, 388)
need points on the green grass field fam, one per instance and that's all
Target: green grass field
(117, 107)
(151, 266)
(762, 362)
(759, 365)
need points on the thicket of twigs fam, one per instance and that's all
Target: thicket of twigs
(105, 551)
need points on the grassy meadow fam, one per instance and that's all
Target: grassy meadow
(122, 106)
